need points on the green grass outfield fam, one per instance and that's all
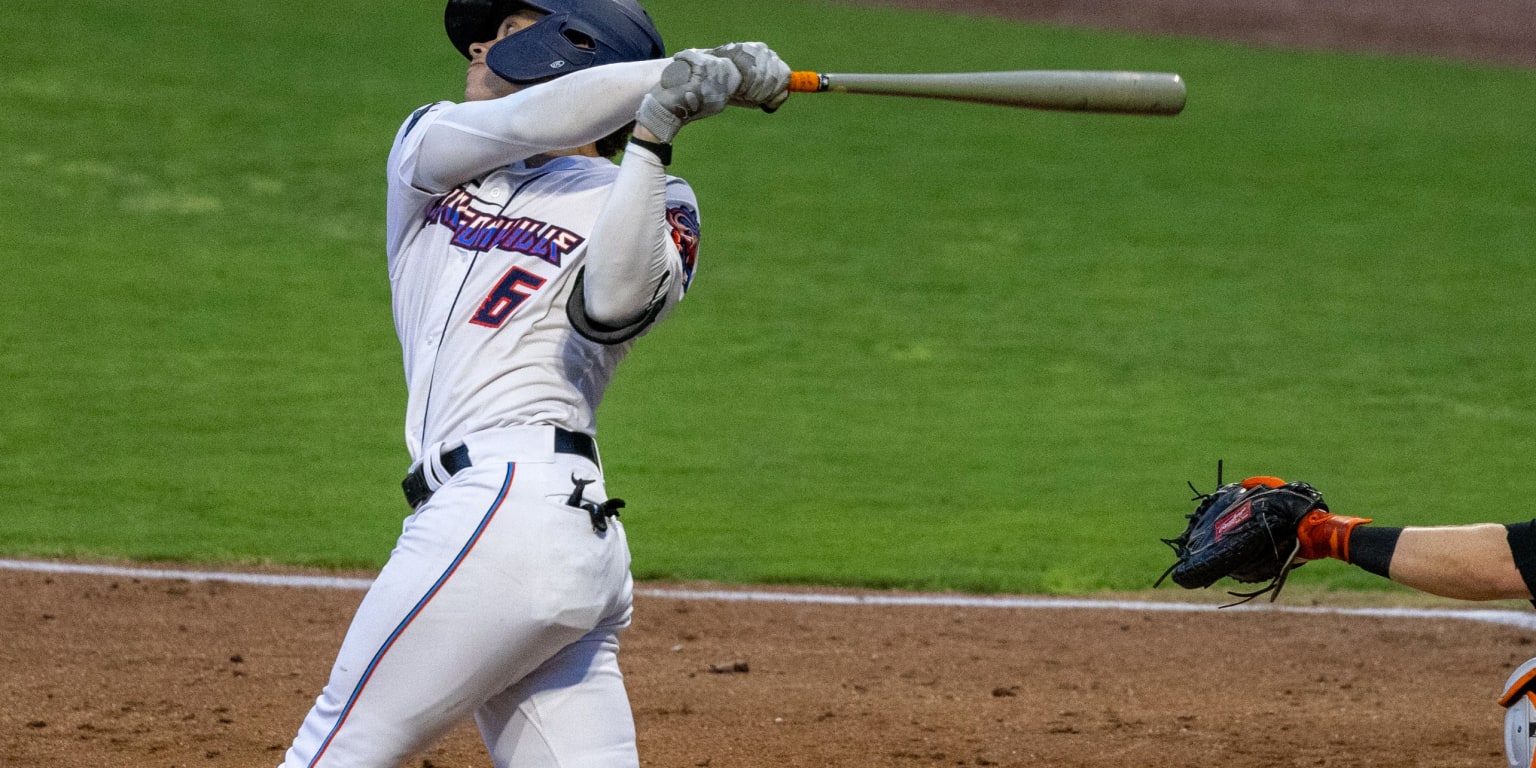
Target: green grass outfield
(930, 345)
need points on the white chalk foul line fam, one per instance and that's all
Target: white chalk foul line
(1518, 619)
(258, 579)
(1507, 618)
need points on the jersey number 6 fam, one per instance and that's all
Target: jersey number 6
(506, 297)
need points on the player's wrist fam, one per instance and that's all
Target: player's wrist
(657, 121)
(1324, 534)
(662, 150)
(645, 134)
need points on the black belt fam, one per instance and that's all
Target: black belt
(457, 460)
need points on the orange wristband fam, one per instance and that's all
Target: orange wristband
(1324, 534)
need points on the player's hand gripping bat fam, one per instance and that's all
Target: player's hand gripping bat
(1135, 93)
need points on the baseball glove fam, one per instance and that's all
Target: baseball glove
(1246, 531)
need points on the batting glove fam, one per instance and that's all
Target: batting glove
(694, 86)
(764, 76)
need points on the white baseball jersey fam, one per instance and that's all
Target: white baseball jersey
(481, 279)
(502, 599)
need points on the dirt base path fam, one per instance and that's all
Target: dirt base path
(1495, 31)
(114, 671)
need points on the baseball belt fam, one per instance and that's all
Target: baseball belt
(417, 491)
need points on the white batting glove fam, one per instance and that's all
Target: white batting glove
(694, 86)
(764, 76)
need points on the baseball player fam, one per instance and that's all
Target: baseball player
(1468, 562)
(524, 263)
(1260, 528)
(1486, 561)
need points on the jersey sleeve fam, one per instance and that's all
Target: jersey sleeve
(405, 200)
(642, 256)
(1522, 547)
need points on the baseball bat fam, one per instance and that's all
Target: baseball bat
(1131, 93)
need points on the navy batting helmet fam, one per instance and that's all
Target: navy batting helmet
(572, 35)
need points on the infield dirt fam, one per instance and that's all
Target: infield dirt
(113, 671)
(1495, 31)
(103, 671)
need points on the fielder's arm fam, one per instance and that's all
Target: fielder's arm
(1465, 562)
(1468, 562)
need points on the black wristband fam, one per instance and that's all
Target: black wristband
(663, 152)
(1371, 548)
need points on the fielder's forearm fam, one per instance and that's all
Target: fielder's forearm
(471, 139)
(1469, 562)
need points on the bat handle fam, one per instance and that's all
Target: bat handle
(807, 82)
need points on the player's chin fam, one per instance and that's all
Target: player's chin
(474, 83)
(480, 84)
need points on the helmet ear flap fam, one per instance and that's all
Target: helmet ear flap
(544, 50)
(570, 35)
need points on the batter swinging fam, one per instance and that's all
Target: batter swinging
(524, 263)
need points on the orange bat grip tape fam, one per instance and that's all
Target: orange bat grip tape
(804, 82)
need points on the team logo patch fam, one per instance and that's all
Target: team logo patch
(1230, 520)
(685, 235)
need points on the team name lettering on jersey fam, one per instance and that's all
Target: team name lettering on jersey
(479, 231)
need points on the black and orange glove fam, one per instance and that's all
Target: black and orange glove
(1246, 531)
